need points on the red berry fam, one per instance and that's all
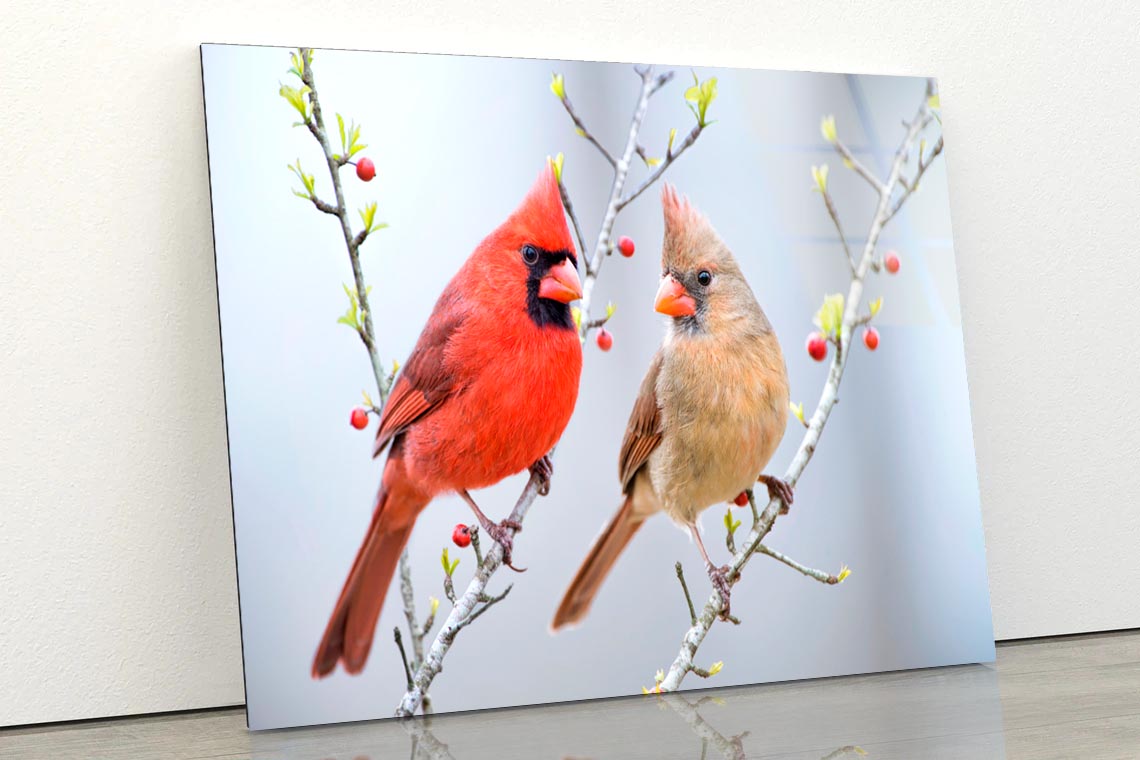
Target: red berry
(741, 499)
(891, 262)
(461, 536)
(625, 245)
(817, 346)
(605, 339)
(365, 169)
(871, 338)
(359, 418)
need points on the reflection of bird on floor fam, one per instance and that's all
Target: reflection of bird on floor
(712, 407)
(485, 394)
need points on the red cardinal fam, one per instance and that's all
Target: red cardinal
(486, 393)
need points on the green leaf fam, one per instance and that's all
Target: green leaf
(556, 164)
(829, 318)
(448, 565)
(798, 411)
(819, 174)
(730, 522)
(700, 96)
(610, 309)
(672, 137)
(296, 98)
(876, 305)
(827, 129)
(558, 86)
(352, 314)
(368, 214)
(340, 126)
(306, 179)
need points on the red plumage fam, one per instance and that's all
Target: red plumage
(487, 392)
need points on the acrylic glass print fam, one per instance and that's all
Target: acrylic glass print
(684, 344)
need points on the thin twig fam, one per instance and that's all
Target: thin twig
(403, 655)
(573, 218)
(911, 186)
(488, 602)
(474, 531)
(685, 588)
(838, 228)
(316, 125)
(581, 126)
(692, 639)
(665, 164)
(819, 575)
(857, 165)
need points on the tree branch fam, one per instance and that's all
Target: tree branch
(573, 218)
(585, 132)
(670, 157)
(464, 608)
(316, 126)
(850, 160)
(695, 635)
(838, 228)
(819, 575)
(688, 598)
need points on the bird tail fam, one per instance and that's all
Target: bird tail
(348, 636)
(597, 565)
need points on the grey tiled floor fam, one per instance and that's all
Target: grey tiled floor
(1075, 697)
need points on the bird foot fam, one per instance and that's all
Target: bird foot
(504, 535)
(781, 488)
(544, 469)
(719, 578)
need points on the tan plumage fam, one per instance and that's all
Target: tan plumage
(712, 408)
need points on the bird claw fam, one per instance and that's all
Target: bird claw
(719, 578)
(544, 470)
(780, 488)
(504, 534)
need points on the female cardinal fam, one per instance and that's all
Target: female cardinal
(711, 410)
(486, 393)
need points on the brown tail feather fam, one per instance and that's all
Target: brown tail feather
(348, 636)
(597, 565)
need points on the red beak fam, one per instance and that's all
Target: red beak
(561, 283)
(673, 300)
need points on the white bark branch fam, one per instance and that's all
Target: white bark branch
(316, 125)
(462, 611)
(691, 641)
(810, 572)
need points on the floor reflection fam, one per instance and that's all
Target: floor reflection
(951, 712)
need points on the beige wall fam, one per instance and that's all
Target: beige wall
(116, 565)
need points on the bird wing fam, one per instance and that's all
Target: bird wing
(426, 380)
(643, 432)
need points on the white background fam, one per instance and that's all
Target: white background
(116, 561)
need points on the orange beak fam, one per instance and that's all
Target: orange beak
(561, 283)
(673, 300)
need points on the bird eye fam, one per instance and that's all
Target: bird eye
(704, 278)
(530, 254)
